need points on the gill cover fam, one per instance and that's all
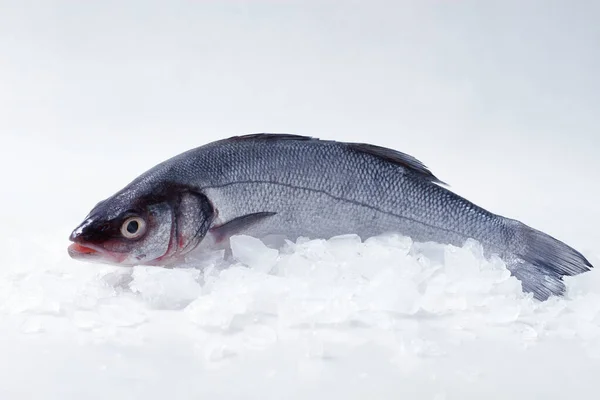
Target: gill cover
(193, 216)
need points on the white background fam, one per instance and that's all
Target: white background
(499, 98)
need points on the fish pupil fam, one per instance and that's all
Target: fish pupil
(133, 226)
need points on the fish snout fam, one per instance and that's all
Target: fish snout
(89, 244)
(80, 232)
(75, 235)
(80, 248)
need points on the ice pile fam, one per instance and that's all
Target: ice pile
(346, 281)
(421, 292)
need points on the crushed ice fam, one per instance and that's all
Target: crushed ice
(324, 293)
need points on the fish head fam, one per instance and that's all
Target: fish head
(133, 228)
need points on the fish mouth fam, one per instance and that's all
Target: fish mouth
(90, 252)
(77, 249)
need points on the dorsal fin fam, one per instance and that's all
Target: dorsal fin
(409, 162)
(272, 136)
(413, 165)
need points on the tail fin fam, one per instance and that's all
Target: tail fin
(542, 261)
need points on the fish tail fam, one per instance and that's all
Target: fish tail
(540, 261)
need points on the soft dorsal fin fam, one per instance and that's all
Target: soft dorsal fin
(409, 162)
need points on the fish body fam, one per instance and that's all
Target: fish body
(292, 186)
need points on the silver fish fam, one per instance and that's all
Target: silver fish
(292, 186)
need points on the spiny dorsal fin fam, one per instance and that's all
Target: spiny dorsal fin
(409, 162)
(272, 136)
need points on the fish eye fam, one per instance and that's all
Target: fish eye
(133, 227)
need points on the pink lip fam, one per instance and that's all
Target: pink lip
(78, 249)
(94, 253)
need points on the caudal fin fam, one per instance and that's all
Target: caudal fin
(541, 262)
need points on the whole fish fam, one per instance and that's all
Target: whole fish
(292, 186)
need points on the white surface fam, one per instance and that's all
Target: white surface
(498, 98)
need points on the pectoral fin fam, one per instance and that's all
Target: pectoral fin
(238, 225)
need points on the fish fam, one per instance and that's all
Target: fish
(286, 185)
